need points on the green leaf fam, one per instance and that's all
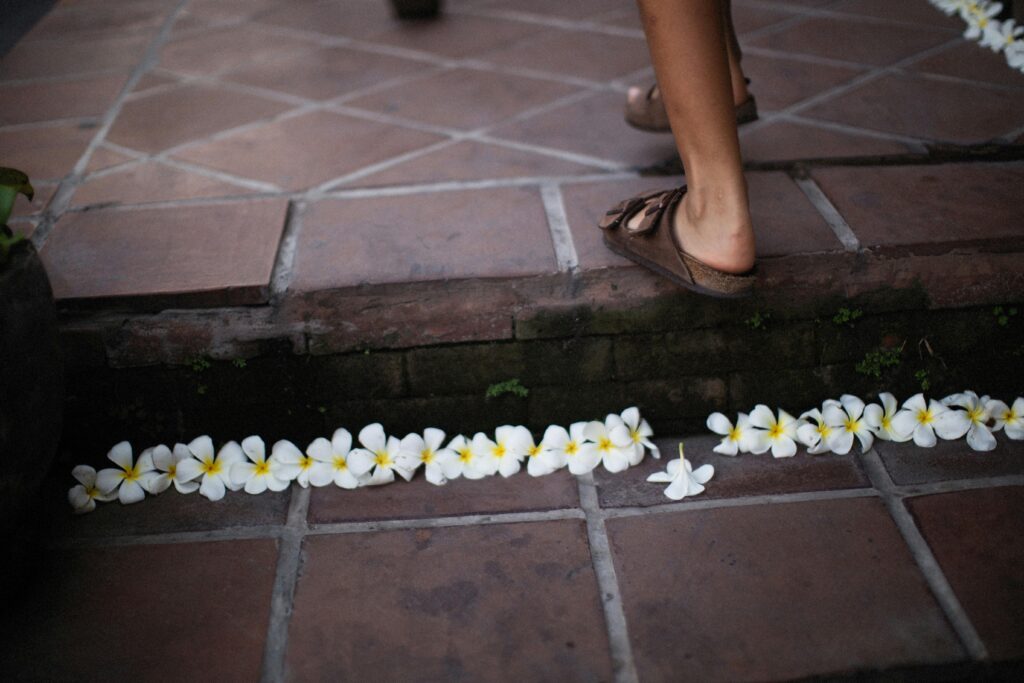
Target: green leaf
(12, 183)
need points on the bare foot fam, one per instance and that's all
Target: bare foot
(720, 236)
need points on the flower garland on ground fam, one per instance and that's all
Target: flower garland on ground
(999, 36)
(617, 443)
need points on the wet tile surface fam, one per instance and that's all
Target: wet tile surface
(753, 593)
(975, 536)
(498, 602)
(950, 460)
(743, 475)
(483, 233)
(118, 613)
(419, 498)
(915, 206)
(223, 253)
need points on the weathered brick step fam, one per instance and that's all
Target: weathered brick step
(677, 356)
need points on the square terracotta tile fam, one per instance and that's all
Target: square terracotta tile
(497, 602)
(576, 54)
(735, 477)
(219, 49)
(218, 254)
(950, 460)
(975, 536)
(927, 207)
(150, 181)
(167, 599)
(47, 58)
(78, 98)
(747, 18)
(792, 141)
(348, 18)
(862, 42)
(323, 73)
(927, 109)
(172, 117)
(101, 19)
(419, 498)
(775, 592)
(970, 61)
(593, 127)
(303, 151)
(414, 238)
(779, 82)
(45, 153)
(566, 9)
(454, 36)
(470, 160)
(462, 98)
(237, 10)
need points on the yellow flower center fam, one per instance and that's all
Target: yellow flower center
(262, 468)
(605, 444)
(131, 474)
(924, 416)
(427, 456)
(499, 450)
(976, 415)
(887, 423)
(211, 467)
(1010, 416)
(571, 448)
(635, 433)
(735, 434)
(465, 454)
(852, 425)
(340, 463)
(824, 430)
(775, 431)
(172, 471)
(383, 459)
(306, 462)
(533, 451)
(92, 491)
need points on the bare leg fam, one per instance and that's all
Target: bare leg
(690, 53)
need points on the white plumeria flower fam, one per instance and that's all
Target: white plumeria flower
(924, 420)
(1000, 36)
(1008, 418)
(950, 7)
(979, 18)
(537, 461)
(978, 412)
(215, 469)
(567, 446)
(685, 481)
(471, 463)
(335, 454)
(505, 453)
(381, 452)
(779, 433)
(640, 433)
(738, 438)
(879, 418)
(1015, 54)
(614, 446)
(259, 473)
(553, 458)
(846, 419)
(303, 468)
(438, 463)
(128, 477)
(817, 435)
(84, 495)
(166, 471)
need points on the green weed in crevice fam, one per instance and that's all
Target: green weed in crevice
(847, 316)
(510, 386)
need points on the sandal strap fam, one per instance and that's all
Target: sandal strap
(625, 209)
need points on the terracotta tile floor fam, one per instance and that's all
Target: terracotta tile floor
(271, 156)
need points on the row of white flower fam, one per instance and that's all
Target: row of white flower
(999, 36)
(619, 442)
(834, 426)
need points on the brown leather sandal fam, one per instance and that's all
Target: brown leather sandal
(653, 244)
(648, 113)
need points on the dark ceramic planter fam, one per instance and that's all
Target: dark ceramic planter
(31, 398)
(416, 9)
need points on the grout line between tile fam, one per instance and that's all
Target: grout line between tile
(441, 522)
(558, 224)
(623, 665)
(284, 264)
(924, 557)
(62, 197)
(912, 142)
(744, 501)
(171, 538)
(578, 25)
(289, 559)
(829, 212)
